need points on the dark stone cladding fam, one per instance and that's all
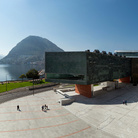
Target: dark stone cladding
(85, 67)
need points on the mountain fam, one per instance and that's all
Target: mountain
(1, 56)
(30, 50)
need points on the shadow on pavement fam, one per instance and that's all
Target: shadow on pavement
(117, 96)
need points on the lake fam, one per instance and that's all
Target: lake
(13, 72)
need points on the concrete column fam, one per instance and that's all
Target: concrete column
(125, 80)
(84, 90)
(92, 90)
(116, 84)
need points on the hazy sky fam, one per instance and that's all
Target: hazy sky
(73, 25)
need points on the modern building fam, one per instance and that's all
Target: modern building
(133, 56)
(86, 68)
(127, 53)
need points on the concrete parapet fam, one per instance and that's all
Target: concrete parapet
(109, 85)
(62, 93)
(120, 85)
(66, 101)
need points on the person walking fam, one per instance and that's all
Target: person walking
(18, 108)
(42, 107)
(125, 102)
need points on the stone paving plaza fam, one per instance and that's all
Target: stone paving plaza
(103, 116)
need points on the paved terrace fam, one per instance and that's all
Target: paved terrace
(103, 116)
(106, 112)
(32, 122)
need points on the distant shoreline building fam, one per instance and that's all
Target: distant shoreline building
(127, 53)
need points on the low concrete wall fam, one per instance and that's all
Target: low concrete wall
(42, 86)
(66, 100)
(108, 85)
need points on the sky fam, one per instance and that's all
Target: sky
(73, 25)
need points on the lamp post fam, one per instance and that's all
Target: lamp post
(6, 83)
(33, 86)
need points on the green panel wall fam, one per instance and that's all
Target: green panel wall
(66, 62)
(63, 66)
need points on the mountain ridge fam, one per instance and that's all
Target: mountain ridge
(30, 50)
(1, 56)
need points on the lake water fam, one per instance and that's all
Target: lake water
(13, 72)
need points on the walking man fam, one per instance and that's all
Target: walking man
(125, 102)
(42, 107)
(18, 108)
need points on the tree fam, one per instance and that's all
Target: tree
(22, 76)
(32, 74)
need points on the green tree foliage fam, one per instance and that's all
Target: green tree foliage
(22, 76)
(32, 74)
